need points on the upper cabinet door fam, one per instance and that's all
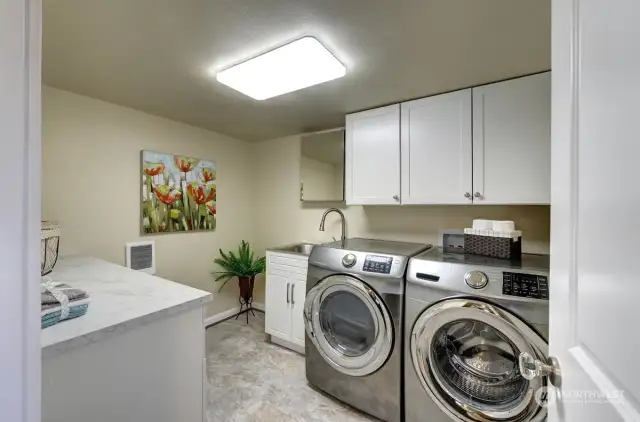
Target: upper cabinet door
(512, 141)
(372, 157)
(436, 149)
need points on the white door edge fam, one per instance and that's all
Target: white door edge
(20, 128)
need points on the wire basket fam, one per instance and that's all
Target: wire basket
(49, 246)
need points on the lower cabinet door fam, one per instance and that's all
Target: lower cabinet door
(278, 306)
(297, 308)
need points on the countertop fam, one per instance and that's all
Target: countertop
(121, 299)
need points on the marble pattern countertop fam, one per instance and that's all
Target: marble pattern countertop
(121, 299)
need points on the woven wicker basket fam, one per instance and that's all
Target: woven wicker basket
(496, 247)
(49, 246)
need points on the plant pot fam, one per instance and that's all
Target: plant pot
(246, 289)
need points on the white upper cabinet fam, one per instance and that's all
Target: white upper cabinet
(372, 157)
(512, 141)
(436, 147)
(485, 145)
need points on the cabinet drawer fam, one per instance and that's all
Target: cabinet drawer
(288, 260)
(294, 273)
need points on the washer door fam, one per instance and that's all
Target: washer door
(465, 353)
(349, 325)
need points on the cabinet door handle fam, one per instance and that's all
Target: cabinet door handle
(396, 197)
(293, 286)
(287, 292)
(478, 195)
(467, 195)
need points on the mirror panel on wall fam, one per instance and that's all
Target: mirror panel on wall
(322, 166)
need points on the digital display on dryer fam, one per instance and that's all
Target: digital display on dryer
(377, 264)
(525, 285)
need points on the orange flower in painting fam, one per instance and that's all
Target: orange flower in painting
(211, 206)
(185, 164)
(167, 194)
(201, 192)
(208, 175)
(152, 169)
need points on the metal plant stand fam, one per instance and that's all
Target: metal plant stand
(246, 296)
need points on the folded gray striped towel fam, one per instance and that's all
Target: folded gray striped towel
(47, 298)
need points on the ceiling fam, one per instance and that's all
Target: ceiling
(154, 55)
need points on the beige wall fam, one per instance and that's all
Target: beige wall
(281, 218)
(91, 169)
(91, 165)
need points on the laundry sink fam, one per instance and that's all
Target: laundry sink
(298, 248)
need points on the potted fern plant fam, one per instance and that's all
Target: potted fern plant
(244, 266)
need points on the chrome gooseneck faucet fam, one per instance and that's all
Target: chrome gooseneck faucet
(344, 223)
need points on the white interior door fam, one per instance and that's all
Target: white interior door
(595, 217)
(436, 149)
(372, 157)
(20, 52)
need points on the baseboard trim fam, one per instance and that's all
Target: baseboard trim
(287, 344)
(229, 313)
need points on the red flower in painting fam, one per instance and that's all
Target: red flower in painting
(211, 206)
(185, 164)
(208, 175)
(153, 169)
(201, 192)
(167, 194)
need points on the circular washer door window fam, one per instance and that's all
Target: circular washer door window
(349, 325)
(465, 353)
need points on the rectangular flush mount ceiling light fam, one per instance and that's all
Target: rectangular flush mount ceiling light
(300, 64)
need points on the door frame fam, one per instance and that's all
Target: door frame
(20, 126)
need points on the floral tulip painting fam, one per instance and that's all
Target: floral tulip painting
(179, 193)
(208, 175)
(166, 194)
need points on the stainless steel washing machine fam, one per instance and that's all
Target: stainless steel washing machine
(467, 320)
(353, 317)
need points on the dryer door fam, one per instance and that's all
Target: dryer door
(465, 353)
(349, 325)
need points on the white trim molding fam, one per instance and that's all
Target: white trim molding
(20, 128)
(229, 313)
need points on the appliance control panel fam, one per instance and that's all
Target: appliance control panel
(377, 264)
(525, 285)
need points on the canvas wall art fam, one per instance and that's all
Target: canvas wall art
(178, 193)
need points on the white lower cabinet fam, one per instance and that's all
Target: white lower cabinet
(297, 308)
(286, 283)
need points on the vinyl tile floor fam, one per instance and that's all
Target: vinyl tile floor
(251, 380)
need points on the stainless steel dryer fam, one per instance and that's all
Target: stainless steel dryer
(353, 317)
(467, 321)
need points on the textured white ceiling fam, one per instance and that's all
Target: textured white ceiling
(154, 55)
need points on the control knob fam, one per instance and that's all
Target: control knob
(349, 260)
(476, 279)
